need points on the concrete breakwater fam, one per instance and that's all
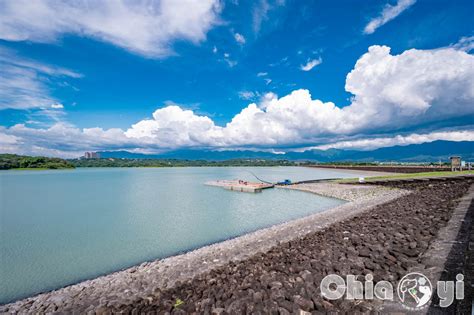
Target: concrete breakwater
(382, 231)
(240, 185)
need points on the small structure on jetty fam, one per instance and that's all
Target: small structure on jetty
(240, 185)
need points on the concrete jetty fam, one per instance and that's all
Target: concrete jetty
(240, 185)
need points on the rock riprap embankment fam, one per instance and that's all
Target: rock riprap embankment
(386, 242)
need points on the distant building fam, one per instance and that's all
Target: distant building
(91, 155)
(455, 163)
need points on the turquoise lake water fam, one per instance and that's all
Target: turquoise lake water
(63, 226)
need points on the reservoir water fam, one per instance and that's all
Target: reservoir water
(63, 226)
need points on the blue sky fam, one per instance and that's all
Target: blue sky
(160, 75)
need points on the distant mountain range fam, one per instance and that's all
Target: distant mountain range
(426, 152)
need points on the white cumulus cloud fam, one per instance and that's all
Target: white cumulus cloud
(173, 126)
(247, 95)
(389, 92)
(311, 64)
(143, 27)
(239, 38)
(414, 87)
(57, 106)
(388, 13)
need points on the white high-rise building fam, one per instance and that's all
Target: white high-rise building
(91, 155)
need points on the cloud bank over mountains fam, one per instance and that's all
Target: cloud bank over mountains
(390, 92)
(399, 140)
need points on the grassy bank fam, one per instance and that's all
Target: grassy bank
(408, 176)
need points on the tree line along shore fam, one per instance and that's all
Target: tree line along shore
(14, 161)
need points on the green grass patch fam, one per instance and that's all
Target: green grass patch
(178, 303)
